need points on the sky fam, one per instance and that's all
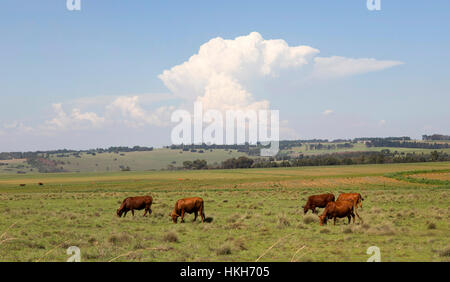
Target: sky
(112, 73)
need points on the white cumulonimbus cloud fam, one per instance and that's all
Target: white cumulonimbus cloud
(217, 74)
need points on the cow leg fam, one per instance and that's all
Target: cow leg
(357, 215)
(125, 214)
(182, 216)
(149, 211)
(349, 219)
(145, 212)
(314, 210)
(132, 212)
(195, 216)
(334, 221)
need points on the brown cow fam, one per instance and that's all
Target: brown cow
(355, 197)
(188, 205)
(317, 201)
(135, 203)
(343, 208)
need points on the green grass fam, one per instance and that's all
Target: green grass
(249, 211)
(141, 161)
(406, 176)
(360, 147)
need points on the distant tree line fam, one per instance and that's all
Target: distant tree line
(66, 153)
(403, 138)
(406, 144)
(347, 158)
(321, 146)
(435, 137)
(244, 148)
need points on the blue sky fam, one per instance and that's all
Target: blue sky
(86, 59)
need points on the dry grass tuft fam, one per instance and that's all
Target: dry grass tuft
(170, 236)
(309, 219)
(445, 252)
(347, 229)
(283, 221)
(382, 230)
(224, 249)
(118, 239)
(240, 244)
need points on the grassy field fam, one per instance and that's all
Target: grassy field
(161, 158)
(142, 161)
(253, 214)
(111, 162)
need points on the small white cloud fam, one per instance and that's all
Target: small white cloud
(336, 66)
(382, 122)
(128, 110)
(327, 112)
(76, 120)
(17, 126)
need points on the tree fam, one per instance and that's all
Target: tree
(187, 164)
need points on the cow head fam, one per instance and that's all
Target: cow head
(119, 212)
(305, 208)
(323, 219)
(174, 216)
(360, 199)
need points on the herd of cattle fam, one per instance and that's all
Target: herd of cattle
(345, 206)
(182, 206)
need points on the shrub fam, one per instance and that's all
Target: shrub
(309, 219)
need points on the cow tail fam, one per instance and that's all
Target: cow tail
(203, 210)
(355, 208)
